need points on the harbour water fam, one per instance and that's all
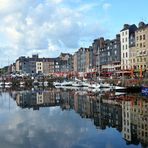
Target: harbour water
(61, 118)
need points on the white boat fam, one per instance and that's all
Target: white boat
(67, 83)
(104, 85)
(58, 86)
(56, 83)
(119, 88)
(35, 83)
(94, 90)
(68, 87)
(85, 84)
(8, 84)
(77, 84)
(105, 89)
(46, 83)
(119, 93)
(94, 85)
(22, 83)
(76, 79)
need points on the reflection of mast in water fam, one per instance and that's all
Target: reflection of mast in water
(141, 104)
(9, 103)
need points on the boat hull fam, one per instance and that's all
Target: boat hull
(144, 90)
(119, 88)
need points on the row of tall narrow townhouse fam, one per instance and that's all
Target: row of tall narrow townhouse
(134, 47)
(139, 52)
(36, 65)
(127, 51)
(102, 57)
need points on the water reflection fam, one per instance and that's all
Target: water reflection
(128, 114)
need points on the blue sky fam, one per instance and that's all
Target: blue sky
(48, 27)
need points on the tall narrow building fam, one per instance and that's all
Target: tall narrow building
(127, 39)
(142, 47)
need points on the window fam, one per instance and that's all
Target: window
(140, 37)
(123, 47)
(123, 55)
(140, 45)
(137, 38)
(123, 40)
(143, 44)
(144, 37)
(115, 52)
(126, 54)
(122, 33)
(126, 46)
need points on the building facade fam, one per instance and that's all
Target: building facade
(110, 56)
(142, 47)
(66, 62)
(127, 37)
(39, 67)
(75, 62)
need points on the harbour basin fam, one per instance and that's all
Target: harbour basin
(58, 118)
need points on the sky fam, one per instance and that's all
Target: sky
(49, 27)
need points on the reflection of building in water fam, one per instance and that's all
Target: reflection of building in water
(26, 99)
(97, 112)
(135, 120)
(85, 106)
(103, 112)
(128, 114)
(107, 113)
(126, 119)
(37, 99)
(78, 101)
(66, 99)
(40, 98)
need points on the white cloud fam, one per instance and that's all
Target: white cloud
(27, 26)
(54, 1)
(106, 6)
(87, 7)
